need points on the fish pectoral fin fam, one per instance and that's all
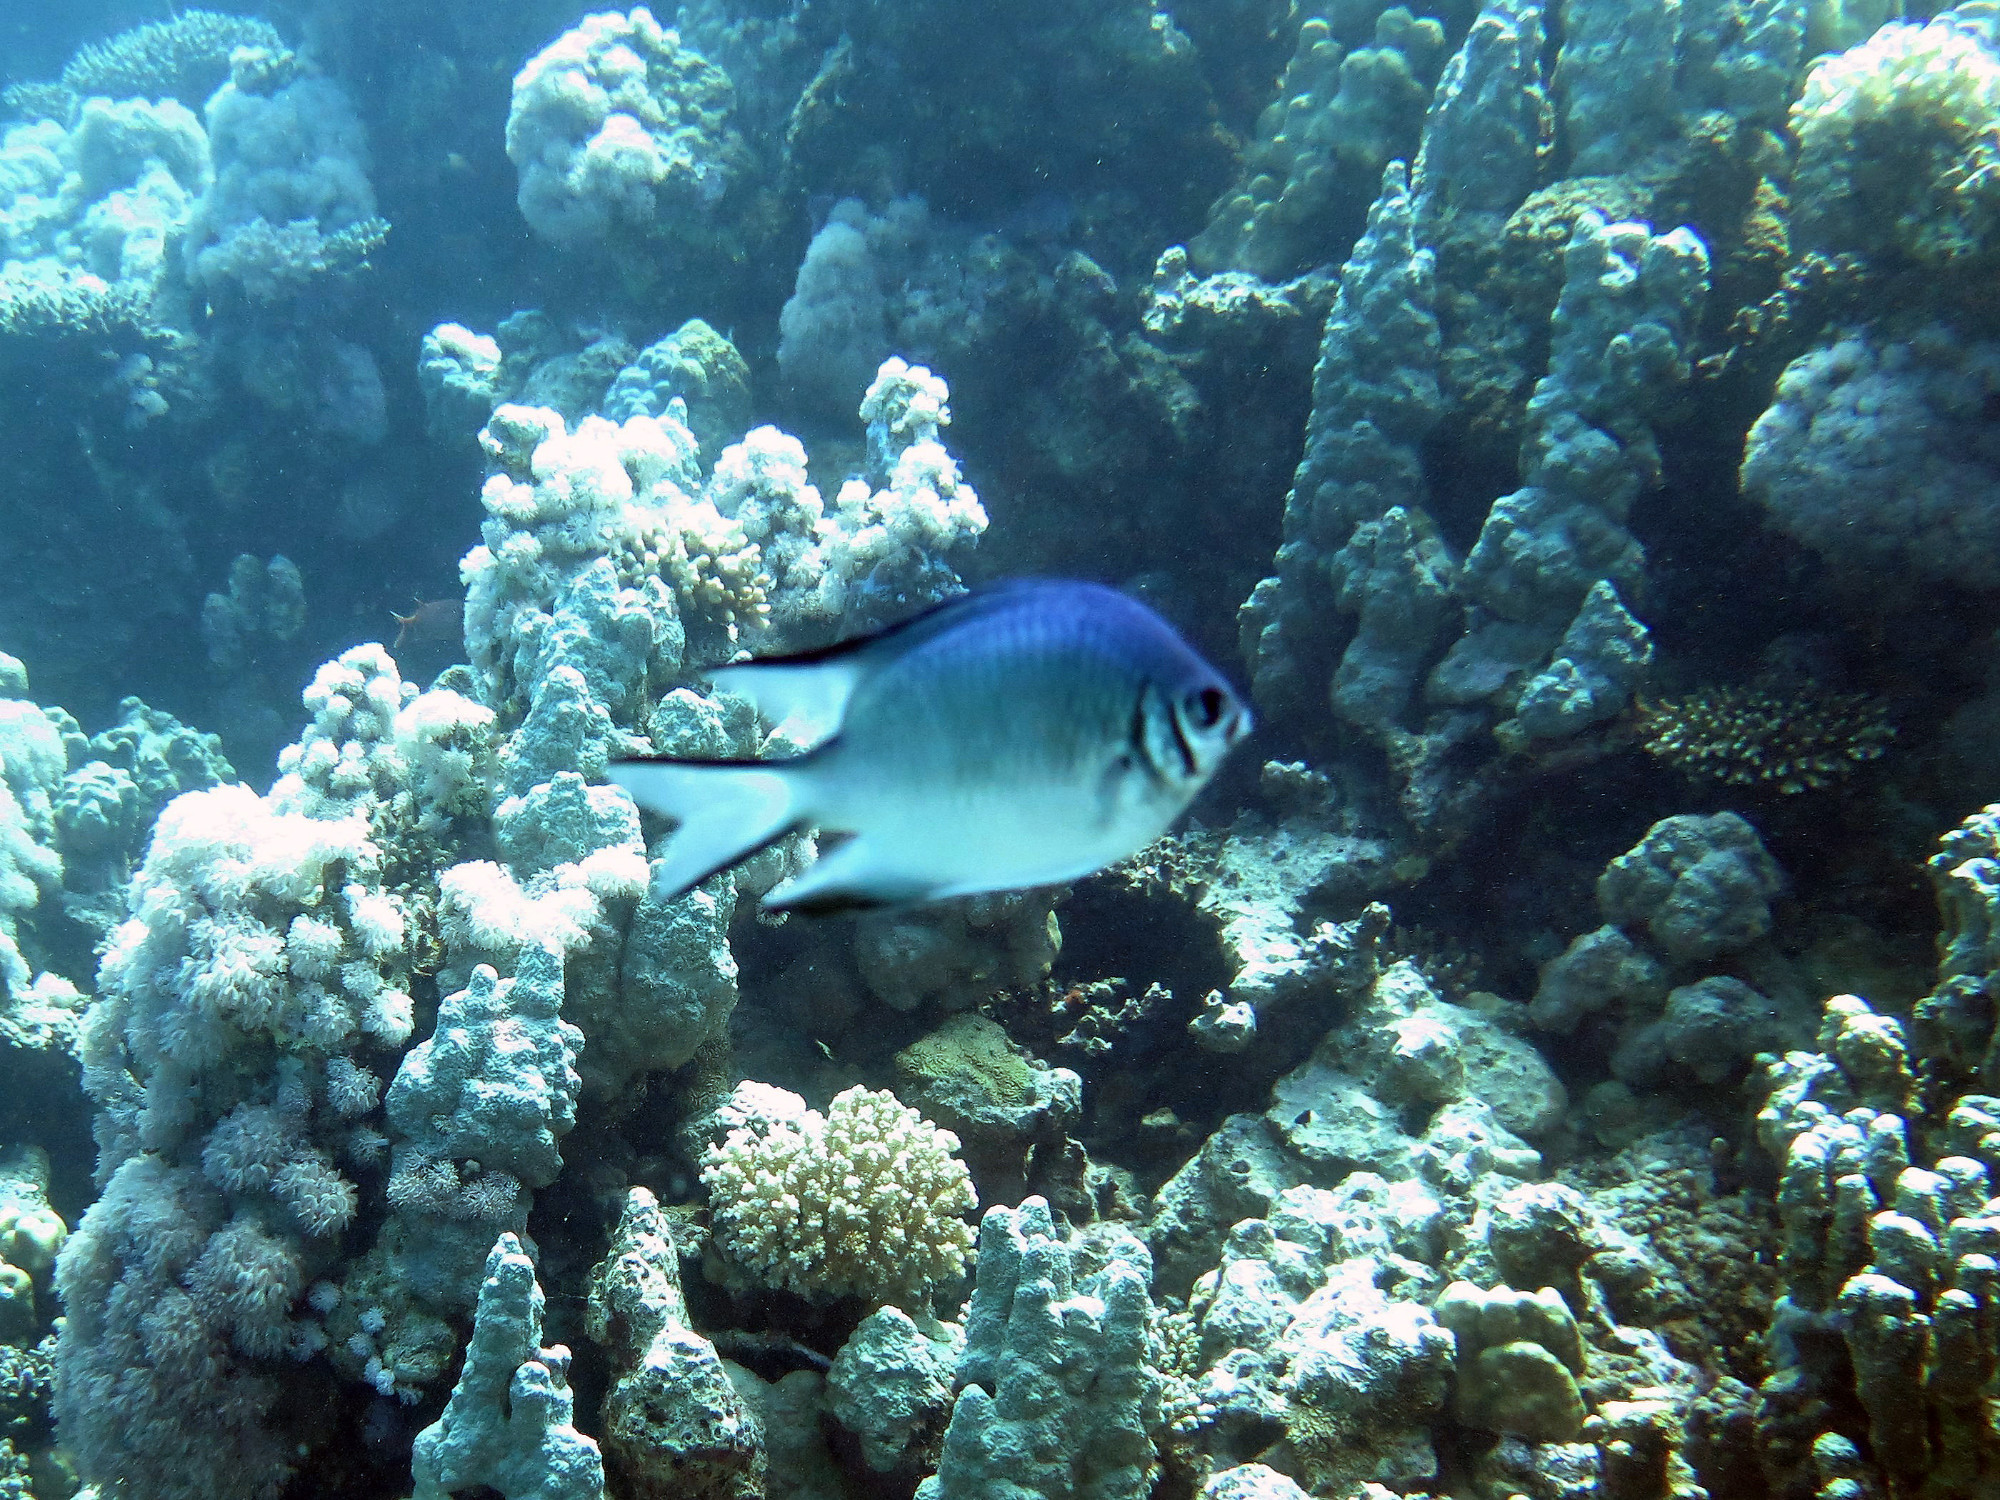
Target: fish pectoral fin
(727, 812)
(853, 877)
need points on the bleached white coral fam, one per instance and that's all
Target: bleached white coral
(866, 1200)
(481, 907)
(242, 926)
(377, 917)
(344, 760)
(103, 200)
(290, 200)
(312, 947)
(445, 743)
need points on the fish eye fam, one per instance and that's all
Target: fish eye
(1204, 708)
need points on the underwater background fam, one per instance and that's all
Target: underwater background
(1551, 1060)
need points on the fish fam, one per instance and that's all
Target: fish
(1025, 734)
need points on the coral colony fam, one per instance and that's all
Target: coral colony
(1552, 1060)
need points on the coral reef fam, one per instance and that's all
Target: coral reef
(290, 201)
(1343, 113)
(1692, 897)
(185, 58)
(1455, 1105)
(674, 1421)
(1896, 151)
(621, 131)
(1024, 1423)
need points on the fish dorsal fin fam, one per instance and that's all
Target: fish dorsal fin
(814, 686)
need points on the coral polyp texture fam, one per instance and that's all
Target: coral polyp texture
(1877, 455)
(866, 1200)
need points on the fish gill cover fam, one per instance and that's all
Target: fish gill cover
(1557, 1056)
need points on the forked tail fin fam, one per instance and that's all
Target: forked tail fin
(727, 810)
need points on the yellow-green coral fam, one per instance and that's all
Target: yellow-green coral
(971, 1056)
(1794, 742)
(1899, 145)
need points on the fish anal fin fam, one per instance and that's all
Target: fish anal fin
(852, 877)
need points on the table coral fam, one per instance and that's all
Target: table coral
(1797, 740)
(184, 58)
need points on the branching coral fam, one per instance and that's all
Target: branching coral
(183, 58)
(608, 551)
(866, 1200)
(1746, 736)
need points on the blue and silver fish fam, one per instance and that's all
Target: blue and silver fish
(1020, 735)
